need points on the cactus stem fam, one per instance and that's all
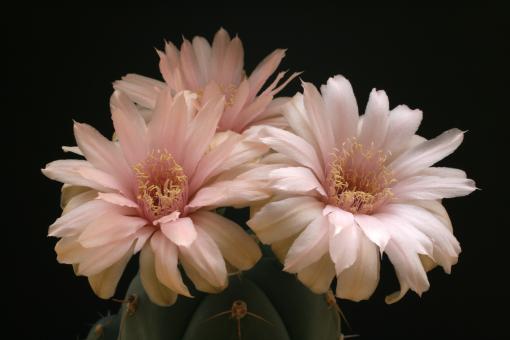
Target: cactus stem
(331, 301)
(132, 303)
(238, 311)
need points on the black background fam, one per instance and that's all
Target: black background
(448, 62)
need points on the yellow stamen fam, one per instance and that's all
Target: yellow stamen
(358, 178)
(161, 183)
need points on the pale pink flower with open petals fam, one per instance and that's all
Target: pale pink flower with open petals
(153, 191)
(350, 188)
(209, 70)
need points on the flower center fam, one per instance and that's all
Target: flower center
(358, 180)
(229, 91)
(162, 184)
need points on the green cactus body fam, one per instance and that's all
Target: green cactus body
(107, 328)
(263, 303)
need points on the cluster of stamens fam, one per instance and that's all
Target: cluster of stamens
(358, 180)
(162, 184)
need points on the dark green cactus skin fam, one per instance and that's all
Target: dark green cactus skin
(106, 328)
(279, 308)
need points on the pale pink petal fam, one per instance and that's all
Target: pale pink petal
(275, 109)
(338, 218)
(293, 147)
(76, 219)
(295, 180)
(117, 199)
(446, 247)
(232, 110)
(199, 282)
(344, 246)
(281, 219)
(165, 264)
(167, 218)
(281, 248)
(74, 196)
(181, 231)
(359, 281)
(157, 292)
(309, 247)
(203, 54)
(105, 180)
(236, 193)
(375, 122)
(236, 246)
(69, 250)
(203, 129)
(341, 108)
(219, 48)
(129, 127)
(436, 208)
(409, 269)
(101, 152)
(73, 149)
(109, 228)
(402, 125)
(432, 187)
(105, 282)
(426, 153)
(402, 230)
(373, 229)
(233, 63)
(443, 172)
(172, 53)
(169, 119)
(249, 149)
(251, 112)
(142, 235)
(264, 70)
(318, 276)
(206, 259)
(190, 68)
(212, 162)
(277, 122)
(95, 260)
(319, 124)
(140, 89)
(69, 171)
(295, 113)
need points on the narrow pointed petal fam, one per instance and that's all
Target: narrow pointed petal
(318, 276)
(129, 127)
(432, 187)
(344, 246)
(203, 129)
(375, 122)
(109, 228)
(426, 153)
(321, 127)
(165, 264)
(264, 70)
(206, 259)
(359, 281)
(101, 152)
(309, 247)
(293, 147)
(105, 282)
(341, 108)
(279, 220)
(402, 125)
(157, 292)
(373, 229)
(140, 89)
(181, 231)
(238, 248)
